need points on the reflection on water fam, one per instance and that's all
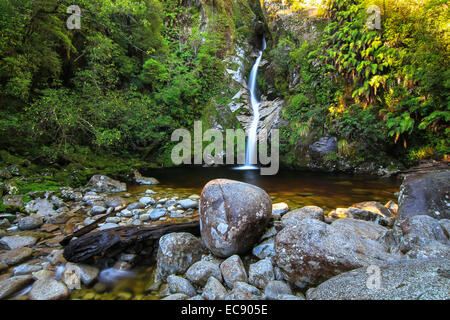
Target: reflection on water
(296, 188)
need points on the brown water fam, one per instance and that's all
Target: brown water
(296, 188)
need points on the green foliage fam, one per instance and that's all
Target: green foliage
(121, 84)
(386, 85)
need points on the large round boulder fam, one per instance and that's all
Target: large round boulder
(233, 216)
(311, 251)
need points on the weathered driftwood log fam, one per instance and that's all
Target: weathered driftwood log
(86, 229)
(109, 243)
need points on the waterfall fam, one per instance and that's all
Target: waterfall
(250, 154)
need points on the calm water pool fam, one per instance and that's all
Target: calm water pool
(296, 188)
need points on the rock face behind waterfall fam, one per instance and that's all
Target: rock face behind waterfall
(233, 216)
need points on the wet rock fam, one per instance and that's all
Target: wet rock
(233, 270)
(43, 274)
(13, 201)
(31, 222)
(4, 223)
(3, 267)
(12, 285)
(93, 199)
(176, 296)
(361, 228)
(244, 291)
(177, 252)
(41, 207)
(401, 280)
(309, 212)
(290, 297)
(144, 180)
(180, 285)
(260, 273)
(106, 226)
(88, 274)
(144, 217)
(392, 206)
(95, 210)
(58, 218)
(136, 205)
(16, 256)
(14, 242)
(48, 289)
(188, 204)
(146, 201)
(26, 268)
(114, 202)
(278, 209)
(201, 271)
(155, 214)
(56, 257)
(233, 216)
(69, 194)
(276, 288)
(375, 207)
(112, 220)
(425, 194)
(356, 213)
(264, 249)
(445, 224)
(312, 251)
(214, 290)
(420, 231)
(100, 183)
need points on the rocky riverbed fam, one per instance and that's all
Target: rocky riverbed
(248, 248)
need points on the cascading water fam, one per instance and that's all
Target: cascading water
(250, 154)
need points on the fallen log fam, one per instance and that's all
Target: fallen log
(109, 243)
(86, 229)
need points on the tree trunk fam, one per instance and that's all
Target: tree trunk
(108, 243)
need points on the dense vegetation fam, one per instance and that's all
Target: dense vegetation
(380, 91)
(137, 70)
(121, 84)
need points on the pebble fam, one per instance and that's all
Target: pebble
(31, 222)
(95, 210)
(188, 204)
(214, 290)
(148, 191)
(260, 273)
(201, 271)
(113, 220)
(126, 213)
(276, 288)
(106, 226)
(144, 217)
(180, 285)
(26, 268)
(147, 201)
(155, 214)
(233, 270)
